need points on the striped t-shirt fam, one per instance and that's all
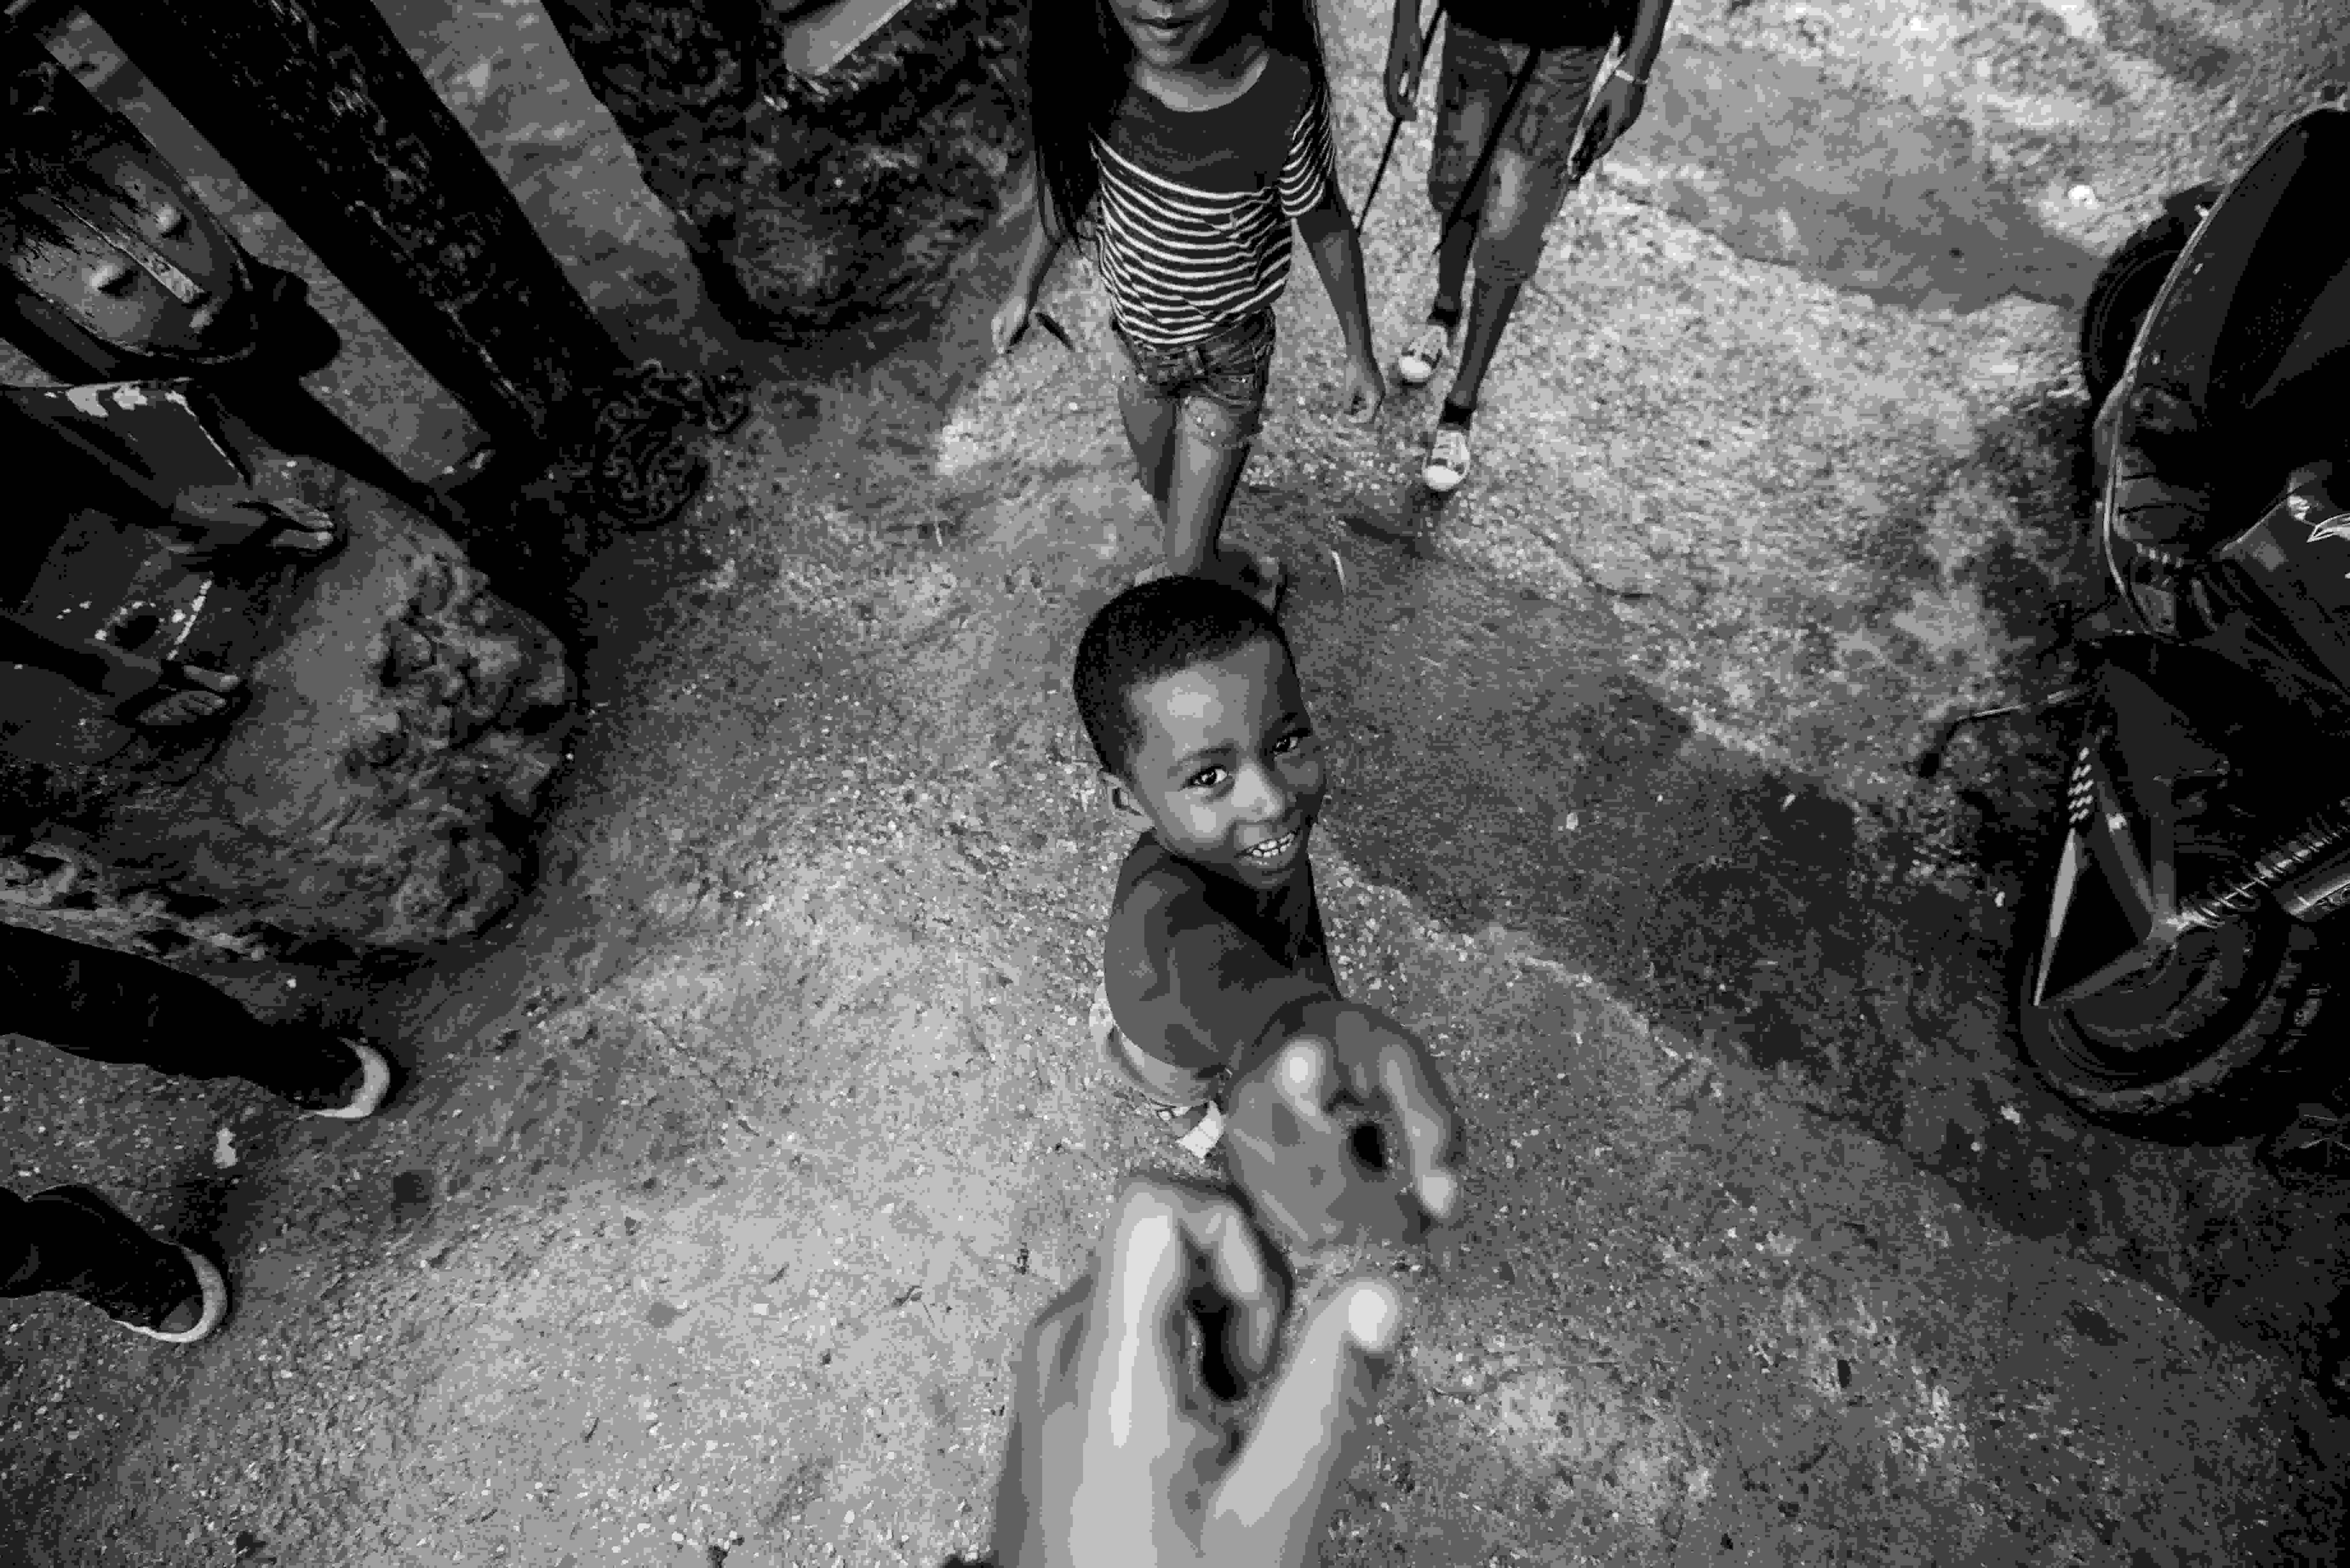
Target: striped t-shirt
(1196, 205)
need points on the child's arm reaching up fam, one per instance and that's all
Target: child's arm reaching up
(1298, 1100)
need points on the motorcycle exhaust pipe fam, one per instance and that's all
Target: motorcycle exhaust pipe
(2305, 874)
(2323, 892)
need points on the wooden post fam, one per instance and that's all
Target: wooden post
(321, 111)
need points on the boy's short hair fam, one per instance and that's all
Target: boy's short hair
(1150, 631)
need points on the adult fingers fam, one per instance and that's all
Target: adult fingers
(1270, 1508)
(1043, 1380)
(1163, 1240)
(1048, 1363)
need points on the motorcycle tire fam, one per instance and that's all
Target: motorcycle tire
(2126, 288)
(2189, 1047)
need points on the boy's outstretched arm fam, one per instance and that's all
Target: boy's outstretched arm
(1329, 233)
(1314, 1061)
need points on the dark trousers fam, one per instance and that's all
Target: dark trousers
(111, 1007)
(55, 1247)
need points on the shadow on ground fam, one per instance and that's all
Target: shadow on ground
(1496, 765)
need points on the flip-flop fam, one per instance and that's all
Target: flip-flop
(168, 702)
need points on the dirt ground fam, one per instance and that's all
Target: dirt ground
(729, 1169)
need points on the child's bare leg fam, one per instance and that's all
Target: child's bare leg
(1151, 431)
(1206, 474)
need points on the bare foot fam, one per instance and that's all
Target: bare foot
(169, 693)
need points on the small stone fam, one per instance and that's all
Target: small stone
(2083, 196)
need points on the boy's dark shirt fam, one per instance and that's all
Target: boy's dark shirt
(1543, 24)
(1199, 969)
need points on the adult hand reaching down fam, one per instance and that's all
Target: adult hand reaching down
(1126, 1445)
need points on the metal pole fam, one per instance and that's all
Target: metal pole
(1426, 41)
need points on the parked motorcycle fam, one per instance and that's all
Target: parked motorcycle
(2182, 961)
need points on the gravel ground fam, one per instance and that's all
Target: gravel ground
(732, 1167)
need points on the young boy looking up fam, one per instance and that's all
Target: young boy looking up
(1214, 957)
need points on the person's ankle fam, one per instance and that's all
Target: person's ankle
(1444, 313)
(1456, 414)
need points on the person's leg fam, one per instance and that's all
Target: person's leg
(107, 1006)
(1223, 410)
(1469, 90)
(71, 1239)
(1149, 416)
(1527, 182)
(23, 642)
(153, 694)
(1207, 470)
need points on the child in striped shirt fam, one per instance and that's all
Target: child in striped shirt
(1176, 140)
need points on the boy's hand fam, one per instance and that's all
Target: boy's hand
(1366, 390)
(1011, 323)
(1294, 1134)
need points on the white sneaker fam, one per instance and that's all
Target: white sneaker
(374, 1081)
(1448, 460)
(1416, 365)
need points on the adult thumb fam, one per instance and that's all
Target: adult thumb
(1272, 1506)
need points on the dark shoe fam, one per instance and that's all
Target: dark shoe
(165, 1292)
(356, 1096)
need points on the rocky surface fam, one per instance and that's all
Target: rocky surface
(806, 201)
(375, 794)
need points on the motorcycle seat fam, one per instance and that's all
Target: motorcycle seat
(2243, 366)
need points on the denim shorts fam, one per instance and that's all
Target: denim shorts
(1215, 385)
(1533, 165)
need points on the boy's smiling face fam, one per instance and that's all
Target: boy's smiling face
(1228, 772)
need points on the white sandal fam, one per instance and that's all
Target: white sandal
(1426, 349)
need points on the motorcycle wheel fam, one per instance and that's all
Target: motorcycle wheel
(2178, 1048)
(2124, 291)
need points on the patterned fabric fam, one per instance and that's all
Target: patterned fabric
(1196, 205)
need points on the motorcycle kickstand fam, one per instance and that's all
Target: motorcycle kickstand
(1929, 763)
